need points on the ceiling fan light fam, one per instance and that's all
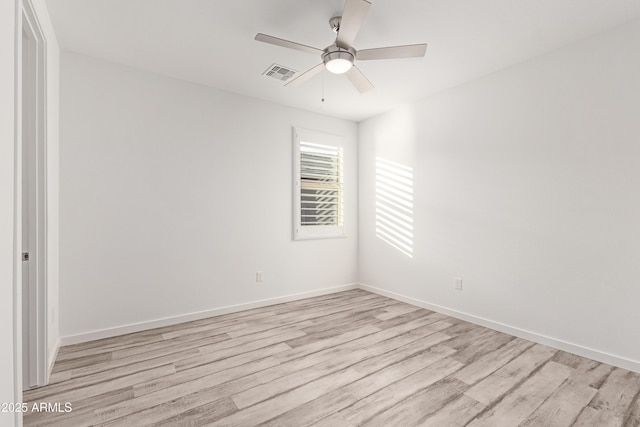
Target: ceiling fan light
(338, 66)
(338, 61)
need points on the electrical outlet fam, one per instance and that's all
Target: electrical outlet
(259, 276)
(457, 284)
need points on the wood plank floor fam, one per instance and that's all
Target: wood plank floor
(345, 359)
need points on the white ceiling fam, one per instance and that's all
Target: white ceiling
(211, 42)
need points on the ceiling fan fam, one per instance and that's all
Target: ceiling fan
(339, 57)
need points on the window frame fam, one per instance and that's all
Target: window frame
(300, 231)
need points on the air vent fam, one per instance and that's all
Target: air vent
(279, 72)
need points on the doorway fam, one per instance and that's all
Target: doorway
(34, 201)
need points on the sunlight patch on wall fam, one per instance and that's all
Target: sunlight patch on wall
(394, 205)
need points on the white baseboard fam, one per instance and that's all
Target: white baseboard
(600, 356)
(590, 353)
(157, 323)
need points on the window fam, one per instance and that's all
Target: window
(318, 185)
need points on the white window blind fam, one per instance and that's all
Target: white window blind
(319, 186)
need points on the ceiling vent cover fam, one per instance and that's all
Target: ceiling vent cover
(279, 72)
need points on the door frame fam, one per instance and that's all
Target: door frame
(34, 323)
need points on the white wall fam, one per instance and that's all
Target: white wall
(9, 387)
(527, 186)
(173, 195)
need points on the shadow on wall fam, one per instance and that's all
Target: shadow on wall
(394, 205)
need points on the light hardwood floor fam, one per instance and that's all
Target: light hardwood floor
(345, 359)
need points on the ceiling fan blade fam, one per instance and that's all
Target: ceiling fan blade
(393, 52)
(359, 80)
(352, 18)
(306, 76)
(286, 43)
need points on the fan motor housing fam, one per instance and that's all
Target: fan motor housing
(334, 52)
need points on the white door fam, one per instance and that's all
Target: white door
(33, 152)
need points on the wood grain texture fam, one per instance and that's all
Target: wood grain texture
(524, 399)
(346, 359)
(493, 388)
(563, 407)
